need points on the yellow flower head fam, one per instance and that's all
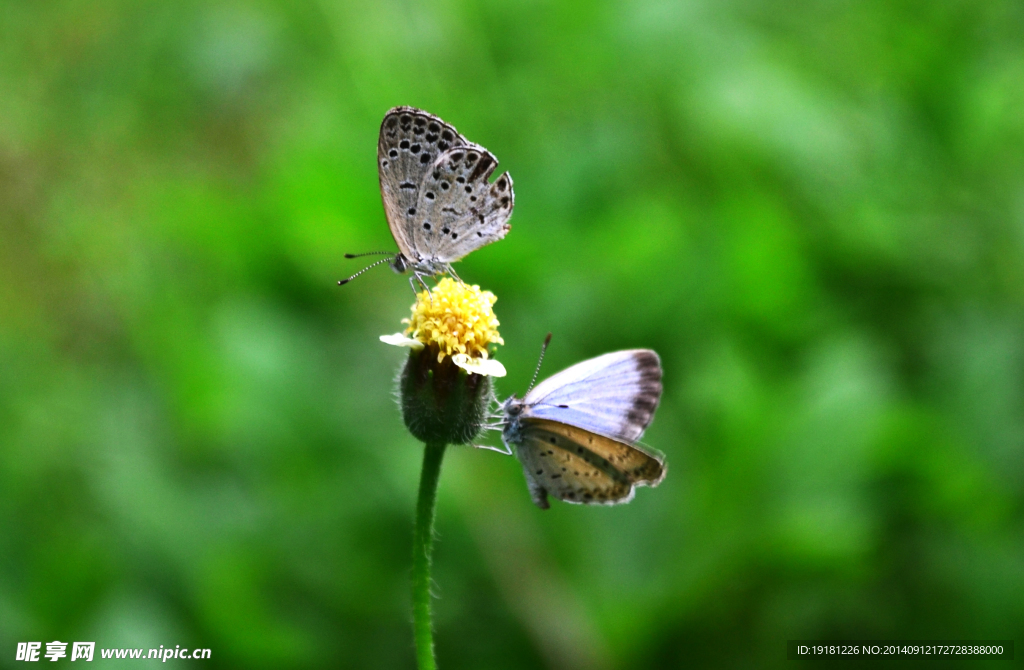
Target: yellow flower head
(457, 319)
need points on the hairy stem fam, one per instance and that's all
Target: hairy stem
(423, 544)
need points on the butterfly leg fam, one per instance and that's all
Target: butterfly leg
(419, 277)
(452, 272)
(506, 451)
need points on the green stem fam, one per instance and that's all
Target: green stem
(422, 546)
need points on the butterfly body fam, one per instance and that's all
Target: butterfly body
(439, 202)
(575, 434)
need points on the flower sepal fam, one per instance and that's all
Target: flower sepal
(443, 403)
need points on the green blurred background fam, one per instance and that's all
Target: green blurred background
(813, 211)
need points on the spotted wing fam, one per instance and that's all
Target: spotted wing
(459, 210)
(578, 466)
(410, 142)
(614, 395)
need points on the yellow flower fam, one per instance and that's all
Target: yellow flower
(459, 321)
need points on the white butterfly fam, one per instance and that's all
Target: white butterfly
(576, 433)
(438, 200)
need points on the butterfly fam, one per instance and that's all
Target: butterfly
(439, 202)
(576, 433)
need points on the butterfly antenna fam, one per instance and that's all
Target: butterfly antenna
(371, 265)
(370, 253)
(543, 349)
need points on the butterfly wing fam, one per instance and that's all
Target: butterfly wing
(458, 208)
(578, 466)
(614, 395)
(410, 142)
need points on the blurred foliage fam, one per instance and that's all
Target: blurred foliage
(813, 211)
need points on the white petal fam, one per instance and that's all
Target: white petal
(400, 340)
(480, 366)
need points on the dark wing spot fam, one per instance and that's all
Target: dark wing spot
(392, 122)
(430, 138)
(442, 145)
(426, 226)
(455, 236)
(555, 476)
(469, 189)
(420, 121)
(430, 195)
(470, 158)
(425, 158)
(504, 201)
(540, 472)
(412, 210)
(415, 148)
(384, 163)
(461, 180)
(447, 135)
(407, 184)
(486, 163)
(445, 186)
(405, 118)
(446, 230)
(479, 234)
(418, 130)
(433, 127)
(404, 144)
(457, 156)
(393, 153)
(552, 440)
(472, 198)
(502, 184)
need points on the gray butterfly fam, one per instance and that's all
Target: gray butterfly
(576, 433)
(438, 199)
